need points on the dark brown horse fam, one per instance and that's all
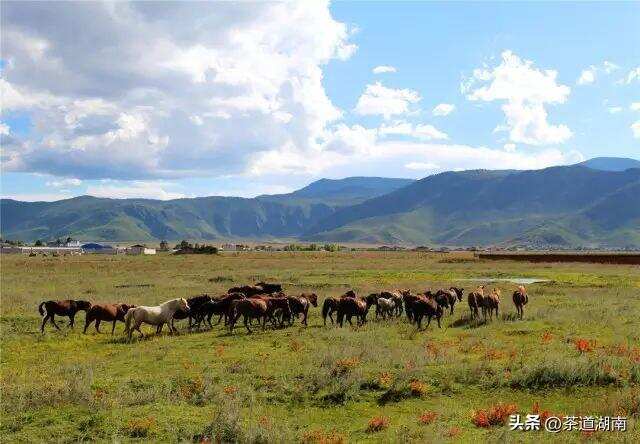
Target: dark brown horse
(330, 305)
(107, 313)
(520, 299)
(426, 306)
(49, 309)
(452, 295)
(354, 306)
(476, 302)
(194, 303)
(300, 306)
(248, 308)
(259, 288)
(409, 299)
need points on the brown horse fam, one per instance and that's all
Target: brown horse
(194, 304)
(476, 301)
(453, 295)
(397, 297)
(300, 306)
(259, 288)
(350, 306)
(409, 299)
(520, 299)
(49, 309)
(107, 313)
(330, 305)
(492, 302)
(426, 306)
(249, 308)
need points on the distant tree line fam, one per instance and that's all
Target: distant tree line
(312, 247)
(185, 247)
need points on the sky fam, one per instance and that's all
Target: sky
(168, 100)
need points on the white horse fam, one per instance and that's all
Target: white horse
(386, 307)
(157, 315)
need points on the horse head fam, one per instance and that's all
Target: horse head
(313, 298)
(83, 305)
(184, 305)
(459, 292)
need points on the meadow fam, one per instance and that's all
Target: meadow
(576, 352)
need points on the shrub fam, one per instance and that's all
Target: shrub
(321, 437)
(453, 432)
(140, 428)
(418, 388)
(495, 415)
(377, 424)
(583, 345)
(427, 417)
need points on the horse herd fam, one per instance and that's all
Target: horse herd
(267, 304)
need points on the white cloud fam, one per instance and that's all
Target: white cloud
(421, 166)
(166, 90)
(635, 128)
(633, 76)
(419, 131)
(60, 183)
(635, 106)
(383, 68)
(614, 109)
(526, 90)
(443, 109)
(380, 100)
(587, 76)
(4, 129)
(133, 189)
(509, 147)
(609, 67)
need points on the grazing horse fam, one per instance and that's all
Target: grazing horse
(492, 302)
(107, 313)
(194, 304)
(49, 309)
(269, 288)
(330, 305)
(157, 315)
(249, 308)
(426, 306)
(300, 306)
(452, 295)
(520, 299)
(476, 301)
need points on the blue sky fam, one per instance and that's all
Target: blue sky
(282, 95)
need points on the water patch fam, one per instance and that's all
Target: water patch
(515, 280)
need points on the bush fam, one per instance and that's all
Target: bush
(495, 415)
(377, 424)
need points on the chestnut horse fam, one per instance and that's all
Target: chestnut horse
(476, 301)
(492, 302)
(300, 306)
(107, 313)
(68, 307)
(520, 299)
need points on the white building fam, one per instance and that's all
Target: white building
(140, 249)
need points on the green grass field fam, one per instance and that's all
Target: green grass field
(316, 384)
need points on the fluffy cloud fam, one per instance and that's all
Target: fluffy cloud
(635, 106)
(526, 90)
(166, 90)
(509, 147)
(61, 183)
(633, 76)
(614, 109)
(421, 166)
(443, 109)
(380, 100)
(419, 131)
(383, 68)
(587, 76)
(635, 128)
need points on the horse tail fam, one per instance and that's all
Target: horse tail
(127, 320)
(41, 309)
(326, 306)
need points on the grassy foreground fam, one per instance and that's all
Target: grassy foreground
(316, 384)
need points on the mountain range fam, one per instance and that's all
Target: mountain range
(591, 204)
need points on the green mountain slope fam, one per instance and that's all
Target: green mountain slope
(564, 206)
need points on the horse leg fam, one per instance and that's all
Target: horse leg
(53, 321)
(45, 318)
(72, 319)
(87, 322)
(98, 325)
(438, 318)
(306, 313)
(113, 327)
(452, 305)
(428, 321)
(246, 323)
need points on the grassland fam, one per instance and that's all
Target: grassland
(316, 384)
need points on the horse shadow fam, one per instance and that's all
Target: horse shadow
(467, 322)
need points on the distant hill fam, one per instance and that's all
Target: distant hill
(611, 163)
(558, 206)
(566, 206)
(277, 216)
